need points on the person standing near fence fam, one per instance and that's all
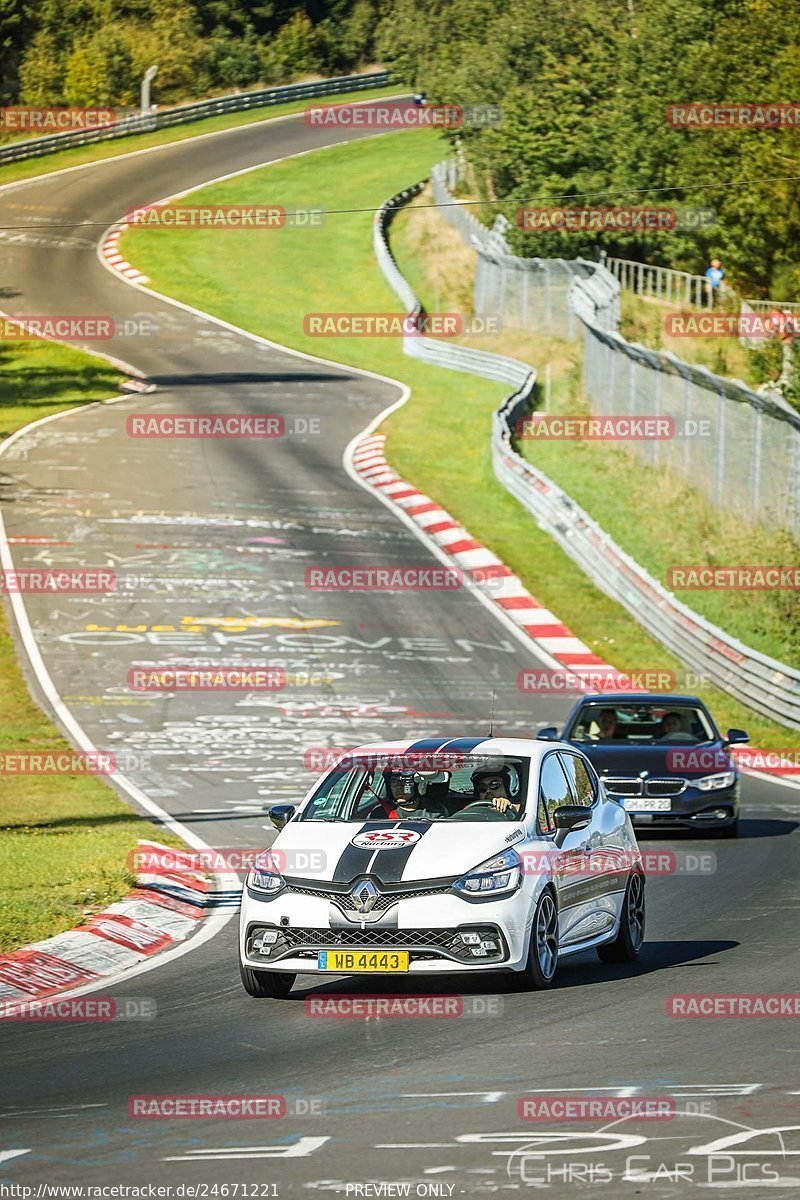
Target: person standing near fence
(715, 276)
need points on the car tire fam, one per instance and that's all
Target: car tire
(265, 984)
(630, 936)
(540, 969)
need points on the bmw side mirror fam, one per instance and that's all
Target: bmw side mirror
(548, 734)
(279, 814)
(736, 737)
(572, 816)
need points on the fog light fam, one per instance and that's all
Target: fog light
(478, 952)
(489, 945)
(470, 939)
(263, 940)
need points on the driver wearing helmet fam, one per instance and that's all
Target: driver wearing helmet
(493, 786)
(407, 802)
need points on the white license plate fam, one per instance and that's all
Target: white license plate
(647, 803)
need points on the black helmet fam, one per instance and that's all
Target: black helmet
(410, 781)
(503, 772)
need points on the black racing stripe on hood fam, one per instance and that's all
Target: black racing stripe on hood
(426, 745)
(465, 745)
(390, 864)
(353, 860)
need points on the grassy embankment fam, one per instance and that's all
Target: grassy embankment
(440, 440)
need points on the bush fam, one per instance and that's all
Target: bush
(297, 49)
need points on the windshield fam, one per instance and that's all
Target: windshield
(642, 724)
(474, 788)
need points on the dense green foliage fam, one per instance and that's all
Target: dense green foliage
(584, 85)
(89, 52)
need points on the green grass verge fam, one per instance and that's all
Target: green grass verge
(651, 513)
(39, 378)
(30, 168)
(64, 840)
(440, 439)
(643, 320)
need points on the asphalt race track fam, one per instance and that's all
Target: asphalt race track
(211, 540)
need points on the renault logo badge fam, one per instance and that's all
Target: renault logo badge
(364, 896)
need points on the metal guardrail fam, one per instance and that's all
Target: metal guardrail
(758, 681)
(198, 111)
(737, 431)
(768, 306)
(661, 283)
(431, 350)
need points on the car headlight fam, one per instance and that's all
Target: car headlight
(497, 876)
(264, 876)
(710, 783)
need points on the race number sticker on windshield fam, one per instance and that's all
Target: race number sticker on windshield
(386, 839)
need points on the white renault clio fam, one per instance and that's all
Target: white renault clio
(442, 856)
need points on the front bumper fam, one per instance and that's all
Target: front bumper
(693, 809)
(429, 929)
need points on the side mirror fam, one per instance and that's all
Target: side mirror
(735, 737)
(572, 816)
(280, 814)
(548, 734)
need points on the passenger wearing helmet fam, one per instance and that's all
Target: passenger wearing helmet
(494, 786)
(409, 804)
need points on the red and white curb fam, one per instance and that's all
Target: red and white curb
(109, 250)
(504, 589)
(476, 561)
(163, 910)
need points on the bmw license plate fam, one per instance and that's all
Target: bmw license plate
(383, 961)
(648, 804)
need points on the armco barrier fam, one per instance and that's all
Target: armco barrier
(760, 682)
(753, 469)
(185, 113)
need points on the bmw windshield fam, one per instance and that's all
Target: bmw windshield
(471, 788)
(641, 723)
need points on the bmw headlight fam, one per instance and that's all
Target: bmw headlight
(711, 783)
(497, 876)
(264, 876)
